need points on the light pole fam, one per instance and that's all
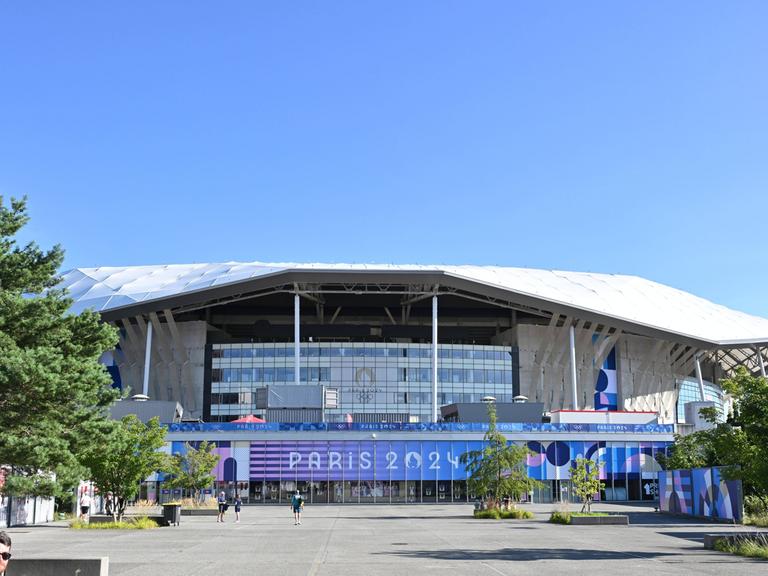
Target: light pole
(373, 437)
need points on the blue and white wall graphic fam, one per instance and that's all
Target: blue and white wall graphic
(606, 388)
(109, 360)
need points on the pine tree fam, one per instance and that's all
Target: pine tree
(53, 392)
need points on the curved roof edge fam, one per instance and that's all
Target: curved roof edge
(630, 300)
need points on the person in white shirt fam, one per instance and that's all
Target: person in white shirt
(85, 506)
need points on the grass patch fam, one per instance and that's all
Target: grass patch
(590, 514)
(138, 523)
(746, 547)
(760, 520)
(496, 514)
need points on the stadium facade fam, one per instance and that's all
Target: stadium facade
(352, 365)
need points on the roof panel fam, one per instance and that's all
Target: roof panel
(627, 298)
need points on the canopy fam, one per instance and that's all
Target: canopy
(248, 419)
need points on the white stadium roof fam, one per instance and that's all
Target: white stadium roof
(628, 299)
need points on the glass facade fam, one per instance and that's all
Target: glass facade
(417, 470)
(689, 392)
(369, 377)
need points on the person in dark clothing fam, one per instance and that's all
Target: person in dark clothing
(5, 551)
(297, 504)
(238, 502)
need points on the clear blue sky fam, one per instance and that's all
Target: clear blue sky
(626, 137)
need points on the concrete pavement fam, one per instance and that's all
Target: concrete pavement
(392, 540)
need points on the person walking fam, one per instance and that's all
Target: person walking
(222, 502)
(297, 504)
(5, 551)
(238, 502)
(85, 505)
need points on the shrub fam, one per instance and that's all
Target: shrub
(760, 520)
(559, 517)
(755, 506)
(195, 503)
(493, 514)
(517, 514)
(497, 514)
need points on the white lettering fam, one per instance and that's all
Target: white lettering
(334, 460)
(314, 460)
(365, 460)
(293, 459)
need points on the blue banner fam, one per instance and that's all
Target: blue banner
(452, 427)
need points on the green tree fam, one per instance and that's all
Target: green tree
(585, 478)
(740, 444)
(128, 455)
(500, 468)
(192, 470)
(54, 394)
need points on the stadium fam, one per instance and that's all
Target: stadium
(369, 377)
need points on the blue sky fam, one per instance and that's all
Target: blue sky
(624, 137)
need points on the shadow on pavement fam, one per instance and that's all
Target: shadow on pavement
(519, 554)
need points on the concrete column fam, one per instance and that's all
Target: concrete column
(700, 379)
(434, 358)
(574, 382)
(297, 338)
(147, 359)
(762, 362)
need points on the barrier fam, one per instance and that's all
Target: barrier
(701, 492)
(58, 567)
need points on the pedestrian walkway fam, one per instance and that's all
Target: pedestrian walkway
(393, 540)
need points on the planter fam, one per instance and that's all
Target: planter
(104, 519)
(99, 519)
(600, 520)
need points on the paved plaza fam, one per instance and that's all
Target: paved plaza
(392, 540)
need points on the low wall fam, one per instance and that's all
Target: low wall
(200, 511)
(58, 567)
(711, 539)
(619, 519)
(102, 519)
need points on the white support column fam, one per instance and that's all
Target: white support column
(760, 359)
(296, 338)
(700, 378)
(147, 359)
(434, 358)
(574, 383)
